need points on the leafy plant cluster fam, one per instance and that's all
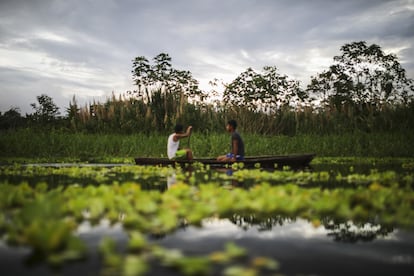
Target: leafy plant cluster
(44, 216)
(365, 89)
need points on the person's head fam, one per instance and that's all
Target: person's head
(178, 128)
(231, 125)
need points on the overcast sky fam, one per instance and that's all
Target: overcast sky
(85, 47)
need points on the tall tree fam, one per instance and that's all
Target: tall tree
(46, 111)
(363, 74)
(141, 75)
(265, 91)
(163, 86)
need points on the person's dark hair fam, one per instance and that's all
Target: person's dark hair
(178, 128)
(233, 123)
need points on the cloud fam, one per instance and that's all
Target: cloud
(87, 47)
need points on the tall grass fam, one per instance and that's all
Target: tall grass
(55, 145)
(129, 115)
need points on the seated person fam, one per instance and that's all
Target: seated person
(174, 151)
(236, 145)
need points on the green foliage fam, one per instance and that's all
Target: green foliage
(164, 89)
(264, 92)
(365, 90)
(46, 111)
(11, 119)
(130, 116)
(58, 146)
(363, 75)
(44, 216)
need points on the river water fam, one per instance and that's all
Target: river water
(299, 247)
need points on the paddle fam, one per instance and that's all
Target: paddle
(188, 141)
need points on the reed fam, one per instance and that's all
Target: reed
(128, 115)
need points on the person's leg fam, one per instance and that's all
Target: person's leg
(180, 155)
(222, 158)
(226, 157)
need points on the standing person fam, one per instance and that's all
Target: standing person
(174, 151)
(236, 146)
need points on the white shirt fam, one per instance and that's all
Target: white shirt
(172, 146)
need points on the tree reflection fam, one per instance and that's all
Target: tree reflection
(263, 223)
(352, 232)
(339, 231)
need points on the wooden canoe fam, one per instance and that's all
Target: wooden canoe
(265, 161)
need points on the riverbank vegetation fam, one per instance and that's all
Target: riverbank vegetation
(54, 146)
(357, 117)
(362, 105)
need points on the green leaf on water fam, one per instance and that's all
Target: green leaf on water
(234, 251)
(194, 265)
(136, 241)
(134, 266)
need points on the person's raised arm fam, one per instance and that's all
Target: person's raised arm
(183, 135)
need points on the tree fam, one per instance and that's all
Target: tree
(162, 87)
(265, 91)
(11, 119)
(363, 75)
(141, 75)
(46, 111)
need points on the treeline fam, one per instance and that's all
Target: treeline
(364, 90)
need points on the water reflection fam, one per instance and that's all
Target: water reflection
(299, 246)
(171, 180)
(339, 231)
(354, 232)
(303, 249)
(269, 228)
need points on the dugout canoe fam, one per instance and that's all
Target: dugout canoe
(265, 161)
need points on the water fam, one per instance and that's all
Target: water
(299, 246)
(302, 249)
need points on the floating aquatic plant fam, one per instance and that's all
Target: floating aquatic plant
(44, 214)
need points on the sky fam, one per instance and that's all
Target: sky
(85, 48)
